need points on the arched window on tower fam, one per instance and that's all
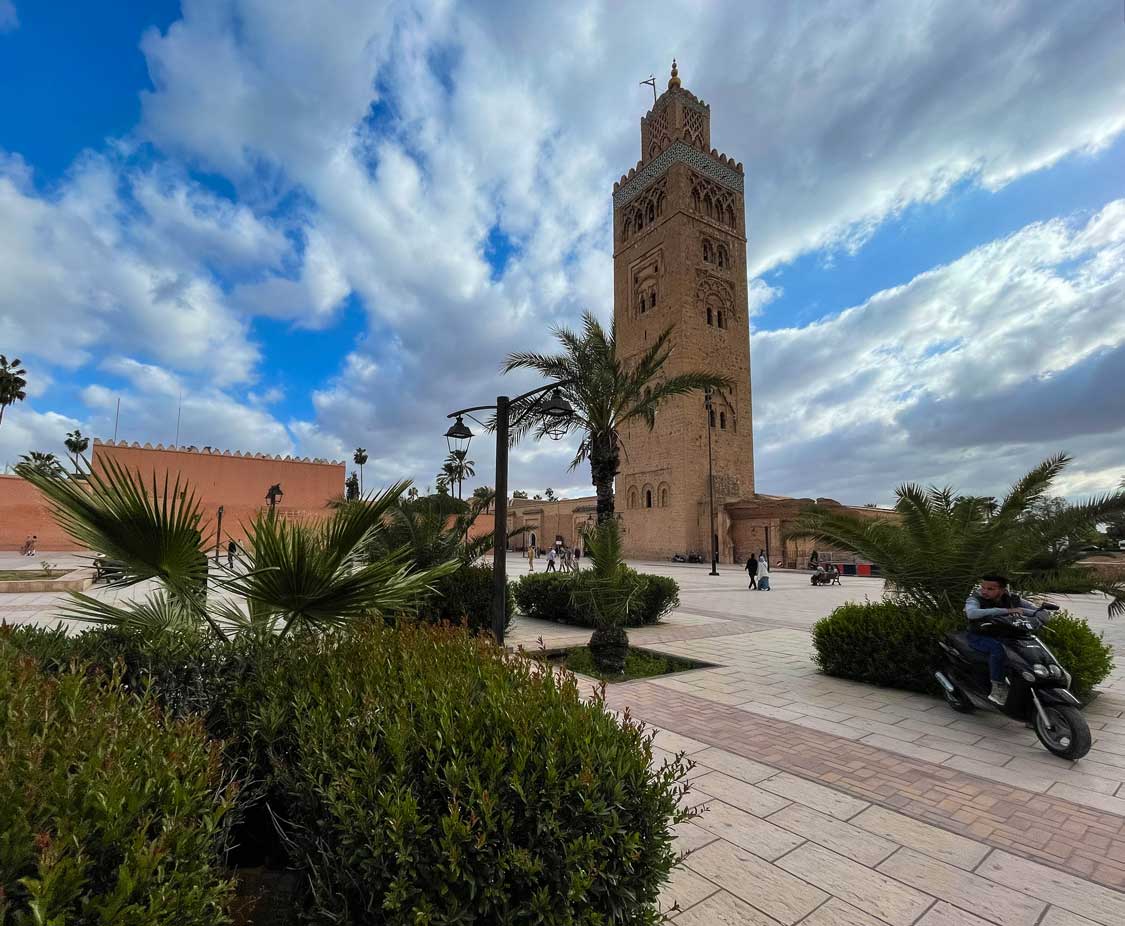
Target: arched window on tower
(723, 259)
(720, 318)
(730, 217)
(708, 206)
(659, 204)
(651, 214)
(711, 416)
(664, 496)
(708, 254)
(633, 497)
(695, 200)
(627, 229)
(710, 318)
(722, 421)
(648, 498)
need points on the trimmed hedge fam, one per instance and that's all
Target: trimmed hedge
(465, 598)
(109, 812)
(894, 645)
(550, 597)
(423, 776)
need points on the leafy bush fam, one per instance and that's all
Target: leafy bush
(423, 776)
(882, 643)
(1084, 654)
(551, 597)
(893, 644)
(110, 813)
(465, 597)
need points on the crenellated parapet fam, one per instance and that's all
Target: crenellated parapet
(214, 451)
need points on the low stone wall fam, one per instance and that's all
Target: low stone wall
(76, 580)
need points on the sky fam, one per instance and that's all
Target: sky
(301, 228)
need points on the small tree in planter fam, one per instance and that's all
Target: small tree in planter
(608, 592)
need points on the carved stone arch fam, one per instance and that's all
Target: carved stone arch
(708, 251)
(715, 299)
(648, 498)
(633, 497)
(663, 495)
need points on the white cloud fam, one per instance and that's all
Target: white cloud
(9, 18)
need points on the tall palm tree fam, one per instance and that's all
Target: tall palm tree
(605, 392)
(77, 445)
(933, 553)
(359, 458)
(12, 383)
(46, 463)
(298, 574)
(459, 467)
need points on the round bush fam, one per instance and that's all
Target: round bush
(465, 598)
(550, 597)
(424, 776)
(891, 644)
(109, 812)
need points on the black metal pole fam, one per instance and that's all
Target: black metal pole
(218, 535)
(500, 528)
(713, 540)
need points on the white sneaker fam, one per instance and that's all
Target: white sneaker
(999, 694)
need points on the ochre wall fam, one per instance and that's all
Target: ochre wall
(238, 483)
(23, 511)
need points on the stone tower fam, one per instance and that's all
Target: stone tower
(679, 261)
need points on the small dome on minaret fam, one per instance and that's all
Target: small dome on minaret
(674, 80)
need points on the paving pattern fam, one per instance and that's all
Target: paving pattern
(828, 803)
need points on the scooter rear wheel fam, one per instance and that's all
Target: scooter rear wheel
(1069, 735)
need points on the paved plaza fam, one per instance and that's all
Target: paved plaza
(829, 803)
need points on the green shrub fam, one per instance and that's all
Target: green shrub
(895, 645)
(422, 776)
(109, 812)
(882, 643)
(1083, 653)
(465, 597)
(550, 597)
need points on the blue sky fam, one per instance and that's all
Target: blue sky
(323, 228)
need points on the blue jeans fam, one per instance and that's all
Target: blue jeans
(997, 661)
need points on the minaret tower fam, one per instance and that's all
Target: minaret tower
(679, 261)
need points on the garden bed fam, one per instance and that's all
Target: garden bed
(640, 663)
(14, 581)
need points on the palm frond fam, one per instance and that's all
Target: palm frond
(157, 613)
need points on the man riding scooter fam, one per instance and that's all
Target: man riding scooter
(990, 600)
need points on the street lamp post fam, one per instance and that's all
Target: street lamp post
(218, 535)
(713, 541)
(555, 410)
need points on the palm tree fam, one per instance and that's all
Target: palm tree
(459, 467)
(359, 458)
(46, 463)
(608, 592)
(606, 392)
(298, 574)
(77, 445)
(549, 494)
(12, 383)
(933, 553)
(412, 493)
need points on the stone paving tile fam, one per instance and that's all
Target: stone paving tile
(767, 888)
(675, 742)
(904, 748)
(837, 913)
(747, 831)
(689, 837)
(945, 914)
(684, 889)
(858, 885)
(826, 800)
(724, 909)
(1076, 895)
(1090, 798)
(1057, 916)
(843, 838)
(735, 766)
(995, 902)
(738, 793)
(922, 837)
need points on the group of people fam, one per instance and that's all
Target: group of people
(560, 558)
(30, 545)
(758, 568)
(825, 575)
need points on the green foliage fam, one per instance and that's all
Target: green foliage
(883, 643)
(1082, 652)
(432, 531)
(894, 644)
(465, 597)
(549, 597)
(941, 544)
(423, 776)
(109, 813)
(13, 383)
(605, 392)
(638, 664)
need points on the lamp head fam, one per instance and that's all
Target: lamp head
(458, 436)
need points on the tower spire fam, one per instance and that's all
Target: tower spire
(674, 80)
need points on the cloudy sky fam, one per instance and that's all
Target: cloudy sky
(325, 224)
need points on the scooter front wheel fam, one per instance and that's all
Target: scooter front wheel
(1068, 735)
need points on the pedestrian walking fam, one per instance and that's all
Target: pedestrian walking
(232, 548)
(551, 557)
(752, 569)
(31, 551)
(26, 545)
(763, 574)
(531, 558)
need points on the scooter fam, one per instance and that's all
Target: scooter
(1038, 692)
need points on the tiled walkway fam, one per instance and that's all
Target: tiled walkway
(836, 804)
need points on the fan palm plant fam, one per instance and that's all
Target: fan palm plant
(293, 574)
(46, 463)
(607, 592)
(458, 467)
(12, 383)
(939, 545)
(606, 392)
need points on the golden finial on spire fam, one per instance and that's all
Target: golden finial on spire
(674, 80)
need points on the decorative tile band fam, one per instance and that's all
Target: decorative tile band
(683, 153)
